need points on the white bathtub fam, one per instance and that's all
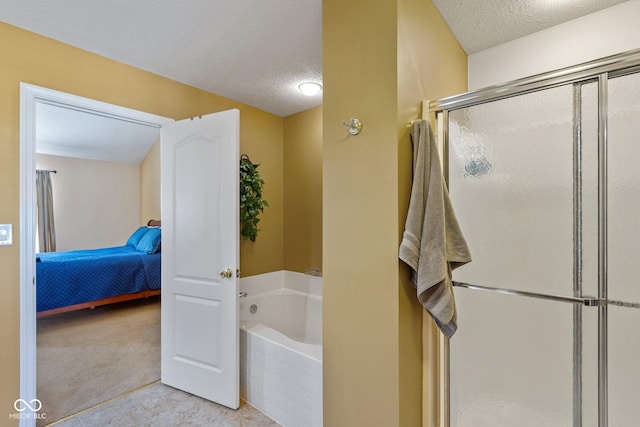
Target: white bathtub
(281, 346)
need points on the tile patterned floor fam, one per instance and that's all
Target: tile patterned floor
(158, 405)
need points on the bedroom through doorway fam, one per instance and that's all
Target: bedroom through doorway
(88, 356)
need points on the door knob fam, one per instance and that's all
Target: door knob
(226, 274)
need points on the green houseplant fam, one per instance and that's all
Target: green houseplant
(251, 202)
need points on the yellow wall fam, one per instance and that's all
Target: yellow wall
(30, 58)
(431, 65)
(360, 215)
(303, 190)
(380, 60)
(266, 148)
(377, 67)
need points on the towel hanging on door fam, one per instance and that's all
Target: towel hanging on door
(432, 243)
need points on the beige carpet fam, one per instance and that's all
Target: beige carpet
(90, 356)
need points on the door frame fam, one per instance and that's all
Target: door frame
(30, 96)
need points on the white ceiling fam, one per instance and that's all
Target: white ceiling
(481, 24)
(253, 51)
(79, 133)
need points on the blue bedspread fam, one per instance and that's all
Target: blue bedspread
(75, 277)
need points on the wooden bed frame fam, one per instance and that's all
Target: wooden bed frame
(105, 301)
(94, 304)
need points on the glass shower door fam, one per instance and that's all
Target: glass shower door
(624, 250)
(523, 177)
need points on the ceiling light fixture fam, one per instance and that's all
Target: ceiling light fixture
(310, 88)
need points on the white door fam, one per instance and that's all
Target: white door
(200, 347)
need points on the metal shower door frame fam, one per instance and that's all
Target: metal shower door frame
(598, 71)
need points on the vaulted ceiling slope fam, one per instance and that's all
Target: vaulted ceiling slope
(481, 24)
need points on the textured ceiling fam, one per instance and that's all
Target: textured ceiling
(252, 51)
(255, 51)
(71, 132)
(481, 24)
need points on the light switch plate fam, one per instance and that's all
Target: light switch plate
(6, 237)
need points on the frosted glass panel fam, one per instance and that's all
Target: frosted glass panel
(511, 184)
(589, 193)
(532, 226)
(624, 249)
(516, 360)
(512, 362)
(624, 372)
(624, 188)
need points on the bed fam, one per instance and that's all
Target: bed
(67, 281)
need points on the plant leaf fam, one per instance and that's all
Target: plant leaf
(251, 202)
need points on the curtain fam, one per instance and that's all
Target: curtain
(46, 227)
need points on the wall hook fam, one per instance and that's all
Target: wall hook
(355, 126)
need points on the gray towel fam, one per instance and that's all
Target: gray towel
(432, 243)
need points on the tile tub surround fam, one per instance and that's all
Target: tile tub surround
(280, 376)
(275, 280)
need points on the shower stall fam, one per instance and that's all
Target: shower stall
(544, 176)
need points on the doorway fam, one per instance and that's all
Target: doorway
(34, 99)
(542, 175)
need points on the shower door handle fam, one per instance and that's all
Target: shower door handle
(586, 301)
